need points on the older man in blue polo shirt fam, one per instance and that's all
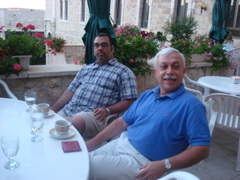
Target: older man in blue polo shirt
(164, 130)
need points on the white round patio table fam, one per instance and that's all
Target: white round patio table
(219, 83)
(44, 160)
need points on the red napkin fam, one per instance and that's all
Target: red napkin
(71, 146)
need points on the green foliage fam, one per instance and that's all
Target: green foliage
(184, 39)
(181, 31)
(58, 44)
(9, 65)
(177, 27)
(202, 44)
(134, 47)
(219, 57)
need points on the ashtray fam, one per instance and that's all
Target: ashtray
(235, 79)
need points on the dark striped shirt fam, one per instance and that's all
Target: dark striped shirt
(98, 86)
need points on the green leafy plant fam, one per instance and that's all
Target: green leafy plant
(25, 43)
(219, 57)
(177, 27)
(187, 42)
(10, 65)
(57, 44)
(201, 44)
(181, 31)
(135, 47)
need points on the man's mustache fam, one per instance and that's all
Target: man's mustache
(167, 77)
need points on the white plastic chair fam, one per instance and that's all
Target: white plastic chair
(179, 175)
(197, 93)
(10, 94)
(225, 113)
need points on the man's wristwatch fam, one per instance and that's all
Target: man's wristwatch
(168, 165)
(108, 112)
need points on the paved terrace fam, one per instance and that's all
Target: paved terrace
(220, 165)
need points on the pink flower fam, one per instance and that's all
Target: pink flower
(0, 49)
(38, 35)
(209, 47)
(17, 66)
(75, 61)
(54, 52)
(19, 25)
(220, 59)
(208, 58)
(184, 34)
(215, 58)
(131, 60)
(149, 56)
(1, 28)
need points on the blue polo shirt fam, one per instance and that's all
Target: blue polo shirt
(161, 127)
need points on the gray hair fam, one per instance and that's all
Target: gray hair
(166, 52)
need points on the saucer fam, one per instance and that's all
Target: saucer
(54, 134)
(50, 113)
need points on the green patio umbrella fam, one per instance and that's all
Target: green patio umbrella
(219, 11)
(99, 21)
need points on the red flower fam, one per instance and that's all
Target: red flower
(38, 35)
(1, 28)
(48, 42)
(31, 27)
(19, 25)
(17, 66)
(25, 29)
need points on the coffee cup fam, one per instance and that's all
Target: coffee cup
(45, 107)
(62, 127)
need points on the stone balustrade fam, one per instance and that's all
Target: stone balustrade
(50, 81)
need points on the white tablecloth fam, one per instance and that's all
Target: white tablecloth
(39, 161)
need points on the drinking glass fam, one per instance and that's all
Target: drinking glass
(30, 98)
(36, 124)
(10, 146)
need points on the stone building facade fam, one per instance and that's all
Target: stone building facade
(72, 28)
(9, 17)
(67, 19)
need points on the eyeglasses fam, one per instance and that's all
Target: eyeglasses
(103, 45)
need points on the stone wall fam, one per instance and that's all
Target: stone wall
(48, 89)
(49, 85)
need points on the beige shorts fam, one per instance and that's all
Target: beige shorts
(92, 126)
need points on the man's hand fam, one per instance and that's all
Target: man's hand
(100, 114)
(151, 171)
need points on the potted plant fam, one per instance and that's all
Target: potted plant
(135, 47)
(181, 31)
(201, 46)
(55, 44)
(218, 56)
(187, 42)
(23, 46)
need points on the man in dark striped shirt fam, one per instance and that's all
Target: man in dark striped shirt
(99, 90)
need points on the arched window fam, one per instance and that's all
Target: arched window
(118, 12)
(144, 13)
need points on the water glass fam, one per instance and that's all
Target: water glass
(10, 146)
(36, 124)
(30, 98)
